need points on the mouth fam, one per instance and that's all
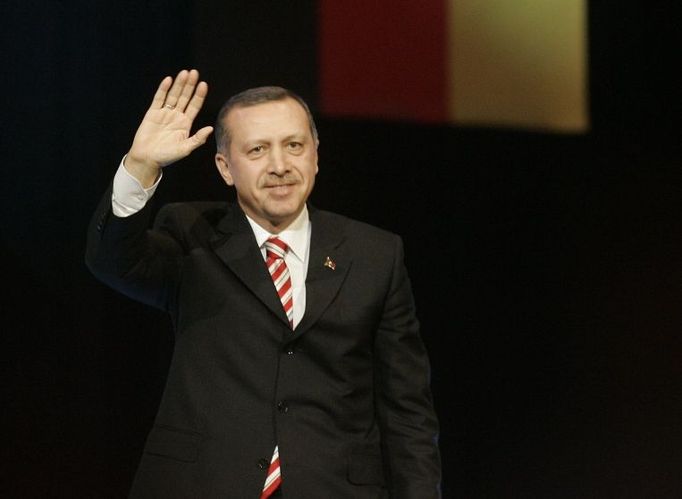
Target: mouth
(280, 189)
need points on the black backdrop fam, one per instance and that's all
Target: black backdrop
(546, 268)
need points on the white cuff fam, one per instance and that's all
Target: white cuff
(128, 196)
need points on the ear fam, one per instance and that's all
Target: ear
(317, 149)
(223, 166)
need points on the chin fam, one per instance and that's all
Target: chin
(281, 217)
(284, 208)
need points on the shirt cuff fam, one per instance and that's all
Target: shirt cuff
(128, 196)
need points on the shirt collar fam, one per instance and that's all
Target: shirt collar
(295, 235)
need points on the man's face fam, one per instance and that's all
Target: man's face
(272, 161)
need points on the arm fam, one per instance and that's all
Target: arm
(124, 254)
(121, 251)
(408, 421)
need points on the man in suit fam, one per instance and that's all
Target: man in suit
(298, 369)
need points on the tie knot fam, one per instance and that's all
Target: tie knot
(275, 248)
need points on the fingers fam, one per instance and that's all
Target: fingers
(176, 89)
(186, 93)
(187, 90)
(161, 92)
(197, 100)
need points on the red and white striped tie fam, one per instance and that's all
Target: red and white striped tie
(274, 478)
(275, 249)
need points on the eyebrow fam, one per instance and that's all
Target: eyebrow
(294, 136)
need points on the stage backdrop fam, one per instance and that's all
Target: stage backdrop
(467, 62)
(546, 266)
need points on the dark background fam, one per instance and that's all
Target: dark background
(546, 267)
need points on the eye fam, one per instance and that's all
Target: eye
(257, 149)
(295, 146)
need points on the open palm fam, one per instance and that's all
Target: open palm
(164, 134)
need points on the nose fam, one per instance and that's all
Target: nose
(278, 161)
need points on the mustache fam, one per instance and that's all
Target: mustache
(276, 180)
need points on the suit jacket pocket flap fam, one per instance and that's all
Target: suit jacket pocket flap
(365, 469)
(174, 443)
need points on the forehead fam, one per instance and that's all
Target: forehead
(267, 120)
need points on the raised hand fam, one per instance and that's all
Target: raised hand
(164, 134)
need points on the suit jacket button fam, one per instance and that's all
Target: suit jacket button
(263, 464)
(282, 407)
(100, 222)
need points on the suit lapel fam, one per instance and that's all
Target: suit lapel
(236, 247)
(327, 269)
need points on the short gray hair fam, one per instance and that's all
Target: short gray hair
(253, 97)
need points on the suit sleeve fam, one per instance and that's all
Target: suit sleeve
(127, 255)
(404, 404)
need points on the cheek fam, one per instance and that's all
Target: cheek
(309, 167)
(249, 179)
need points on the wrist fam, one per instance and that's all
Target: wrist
(144, 172)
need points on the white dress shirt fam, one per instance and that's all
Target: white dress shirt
(297, 237)
(128, 197)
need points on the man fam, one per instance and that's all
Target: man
(298, 369)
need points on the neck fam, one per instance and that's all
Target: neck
(273, 226)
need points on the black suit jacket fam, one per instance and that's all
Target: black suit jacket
(345, 395)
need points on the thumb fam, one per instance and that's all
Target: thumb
(199, 138)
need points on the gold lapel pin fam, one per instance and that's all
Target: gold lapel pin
(329, 263)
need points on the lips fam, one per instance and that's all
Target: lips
(280, 190)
